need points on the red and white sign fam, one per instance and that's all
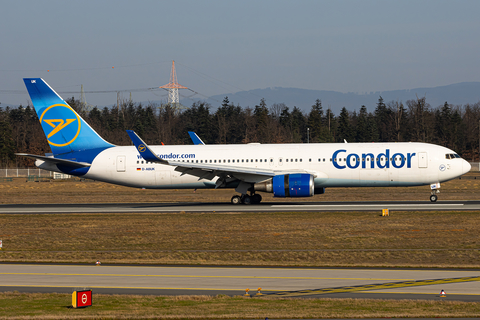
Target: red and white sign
(82, 299)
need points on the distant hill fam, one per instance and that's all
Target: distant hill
(456, 94)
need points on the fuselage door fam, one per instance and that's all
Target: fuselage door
(121, 163)
(422, 160)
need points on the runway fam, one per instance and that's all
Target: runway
(282, 282)
(227, 207)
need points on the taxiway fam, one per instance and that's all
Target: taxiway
(286, 282)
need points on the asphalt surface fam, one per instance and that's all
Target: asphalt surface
(460, 285)
(227, 207)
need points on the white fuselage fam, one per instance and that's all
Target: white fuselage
(332, 164)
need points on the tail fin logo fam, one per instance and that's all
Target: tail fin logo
(61, 124)
(142, 148)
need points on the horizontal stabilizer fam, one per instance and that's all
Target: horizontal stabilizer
(68, 163)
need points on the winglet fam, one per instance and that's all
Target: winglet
(143, 148)
(195, 138)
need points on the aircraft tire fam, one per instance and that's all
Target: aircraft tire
(256, 199)
(433, 198)
(236, 200)
(247, 199)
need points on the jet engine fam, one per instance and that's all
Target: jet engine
(288, 185)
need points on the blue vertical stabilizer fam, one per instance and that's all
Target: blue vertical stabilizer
(67, 133)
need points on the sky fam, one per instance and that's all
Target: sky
(220, 47)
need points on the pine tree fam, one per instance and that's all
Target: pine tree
(315, 119)
(7, 142)
(344, 127)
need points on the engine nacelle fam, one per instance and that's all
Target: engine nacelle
(288, 185)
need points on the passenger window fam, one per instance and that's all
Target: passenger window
(280, 160)
(295, 160)
(256, 160)
(138, 161)
(286, 160)
(271, 160)
(260, 160)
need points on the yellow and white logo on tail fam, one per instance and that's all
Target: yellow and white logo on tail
(61, 124)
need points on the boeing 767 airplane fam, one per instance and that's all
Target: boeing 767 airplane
(286, 170)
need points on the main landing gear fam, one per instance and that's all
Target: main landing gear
(246, 199)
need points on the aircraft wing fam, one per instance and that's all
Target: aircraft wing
(69, 163)
(208, 170)
(195, 138)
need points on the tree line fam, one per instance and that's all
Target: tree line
(452, 126)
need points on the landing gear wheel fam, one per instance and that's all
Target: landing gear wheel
(256, 199)
(236, 200)
(247, 199)
(433, 198)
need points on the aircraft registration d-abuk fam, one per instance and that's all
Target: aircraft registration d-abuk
(286, 170)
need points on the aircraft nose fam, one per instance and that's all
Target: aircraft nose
(466, 166)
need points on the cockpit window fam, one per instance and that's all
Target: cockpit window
(451, 156)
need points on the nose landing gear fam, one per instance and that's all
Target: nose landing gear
(435, 191)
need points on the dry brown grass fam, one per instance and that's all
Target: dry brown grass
(420, 239)
(76, 191)
(447, 239)
(55, 306)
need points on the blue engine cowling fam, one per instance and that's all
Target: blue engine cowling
(293, 185)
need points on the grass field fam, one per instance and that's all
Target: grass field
(56, 306)
(409, 239)
(417, 239)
